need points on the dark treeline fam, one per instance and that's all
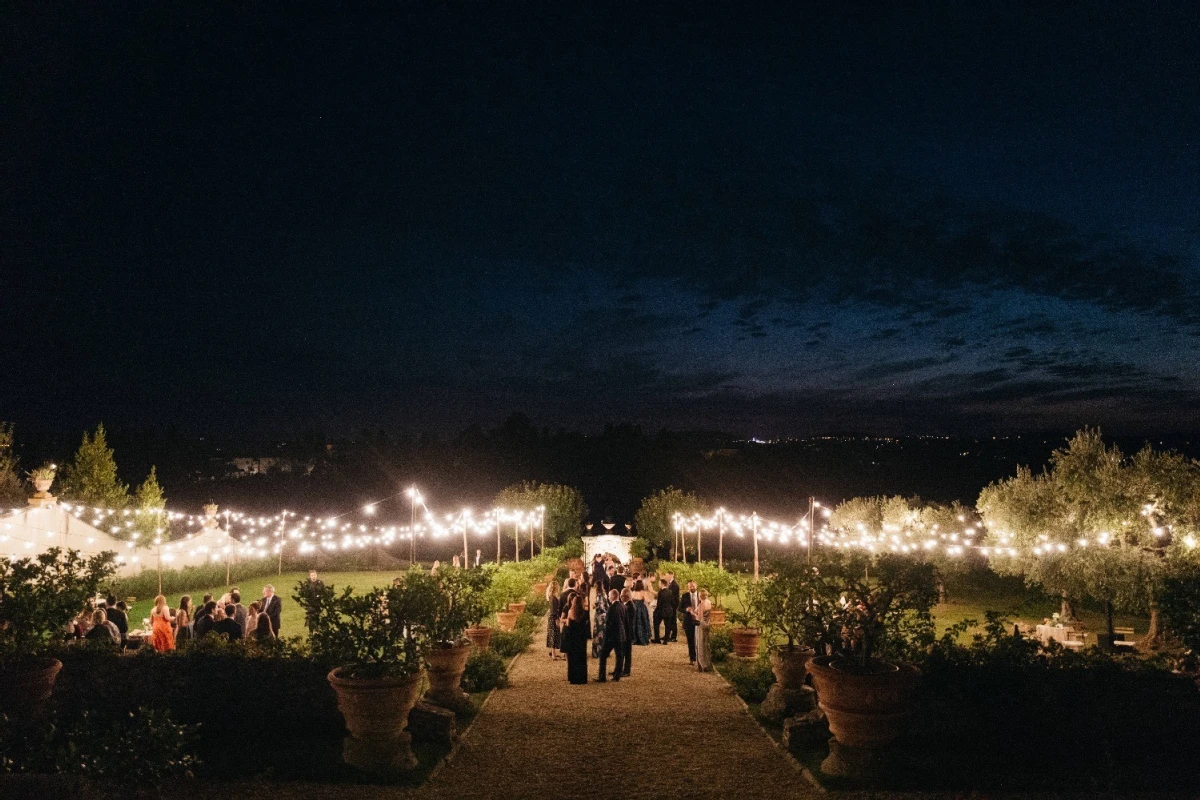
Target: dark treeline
(614, 468)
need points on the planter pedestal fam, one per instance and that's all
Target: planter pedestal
(857, 763)
(446, 666)
(376, 712)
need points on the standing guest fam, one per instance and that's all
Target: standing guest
(570, 592)
(599, 621)
(183, 619)
(239, 611)
(272, 606)
(454, 562)
(162, 635)
(262, 629)
(115, 613)
(630, 621)
(575, 641)
(252, 615)
(598, 571)
(224, 600)
(204, 609)
(663, 610)
(436, 566)
(671, 619)
(553, 635)
(102, 630)
(616, 578)
(204, 619)
(687, 605)
(703, 646)
(226, 624)
(478, 555)
(613, 640)
(639, 632)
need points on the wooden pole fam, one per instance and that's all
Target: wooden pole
(754, 520)
(721, 540)
(497, 515)
(517, 540)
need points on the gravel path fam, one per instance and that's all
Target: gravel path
(666, 729)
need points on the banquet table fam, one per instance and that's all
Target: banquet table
(1059, 633)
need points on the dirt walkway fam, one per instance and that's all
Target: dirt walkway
(666, 730)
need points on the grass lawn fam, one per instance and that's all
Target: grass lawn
(292, 620)
(970, 596)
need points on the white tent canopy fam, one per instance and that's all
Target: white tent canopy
(607, 543)
(30, 531)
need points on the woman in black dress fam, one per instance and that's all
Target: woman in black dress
(575, 642)
(553, 637)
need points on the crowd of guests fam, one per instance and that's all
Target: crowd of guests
(107, 620)
(617, 611)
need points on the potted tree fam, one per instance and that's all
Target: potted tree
(38, 597)
(786, 602)
(376, 643)
(458, 597)
(42, 478)
(506, 591)
(865, 602)
(720, 584)
(479, 634)
(746, 631)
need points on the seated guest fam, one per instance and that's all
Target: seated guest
(262, 629)
(183, 619)
(103, 630)
(204, 619)
(226, 624)
(116, 615)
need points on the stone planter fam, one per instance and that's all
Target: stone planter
(376, 713)
(790, 666)
(865, 712)
(577, 565)
(518, 607)
(506, 620)
(43, 486)
(716, 617)
(25, 688)
(745, 641)
(480, 637)
(445, 666)
(539, 588)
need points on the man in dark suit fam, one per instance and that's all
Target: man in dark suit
(272, 606)
(616, 577)
(225, 624)
(686, 604)
(630, 623)
(663, 610)
(615, 635)
(598, 571)
(205, 618)
(672, 621)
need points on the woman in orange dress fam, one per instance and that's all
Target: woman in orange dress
(162, 635)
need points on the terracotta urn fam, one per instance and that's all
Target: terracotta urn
(864, 709)
(506, 620)
(745, 641)
(517, 607)
(376, 713)
(25, 688)
(480, 637)
(638, 566)
(790, 666)
(716, 617)
(445, 666)
(539, 588)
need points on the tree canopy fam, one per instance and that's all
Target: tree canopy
(565, 509)
(12, 491)
(654, 520)
(91, 477)
(150, 505)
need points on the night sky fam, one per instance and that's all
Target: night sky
(982, 220)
